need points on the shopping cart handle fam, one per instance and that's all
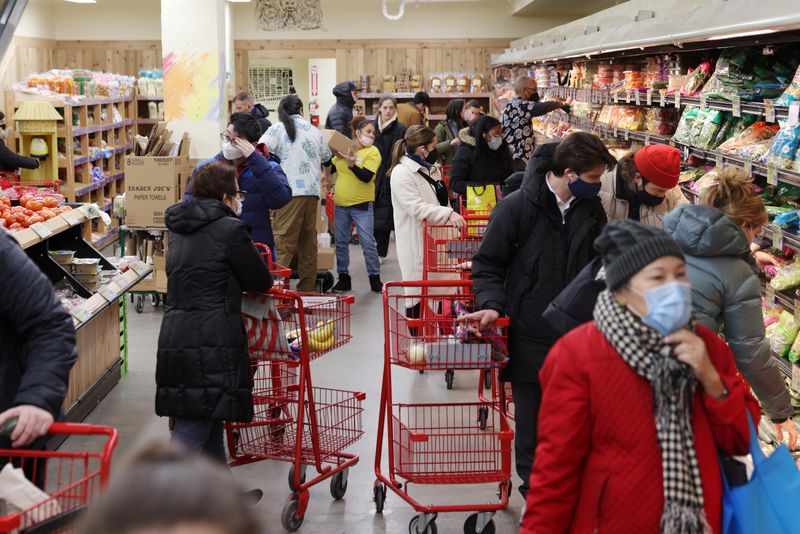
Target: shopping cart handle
(418, 438)
(506, 435)
(359, 395)
(348, 299)
(415, 323)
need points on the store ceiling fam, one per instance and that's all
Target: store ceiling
(574, 8)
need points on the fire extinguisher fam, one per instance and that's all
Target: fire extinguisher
(313, 112)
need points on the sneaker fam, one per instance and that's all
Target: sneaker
(375, 283)
(344, 283)
(354, 240)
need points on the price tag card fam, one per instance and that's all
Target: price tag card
(672, 143)
(649, 97)
(628, 96)
(637, 98)
(140, 268)
(627, 134)
(736, 106)
(616, 98)
(647, 138)
(41, 230)
(120, 281)
(748, 167)
(109, 293)
(770, 296)
(772, 176)
(616, 131)
(777, 237)
(685, 152)
(703, 101)
(73, 217)
(718, 159)
(662, 96)
(795, 377)
(82, 314)
(677, 99)
(794, 114)
(769, 109)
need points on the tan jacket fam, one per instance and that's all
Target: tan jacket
(409, 115)
(616, 206)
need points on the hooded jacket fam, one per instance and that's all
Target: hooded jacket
(203, 367)
(473, 166)
(726, 296)
(341, 113)
(528, 255)
(615, 201)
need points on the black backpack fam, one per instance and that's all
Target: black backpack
(575, 304)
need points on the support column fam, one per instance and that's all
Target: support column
(193, 44)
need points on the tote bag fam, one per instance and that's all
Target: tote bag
(769, 501)
(481, 200)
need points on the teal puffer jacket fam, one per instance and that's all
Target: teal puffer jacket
(726, 297)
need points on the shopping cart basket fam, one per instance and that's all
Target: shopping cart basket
(281, 276)
(501, 396)
(449, 250)
(72, 479)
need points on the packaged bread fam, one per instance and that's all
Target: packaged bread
(436, 84)
(477, 84)
(450, 83)
(462, 83)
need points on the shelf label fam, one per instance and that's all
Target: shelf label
(662, 96)
(703, 101)
(795, 377)
(718, 158)
(777, 237)
(769, 109)
(616, 131)
(794, 114)
(140, 268)
(770, 295)
(647, 138)
(772, 175)
(637, 97)
(685, 152)
(120, 281)
(73, 217)
(736, 106)
(627, 134)
(41, 230)
(628, 96)
(82, 314)
(108, 293)
(649, 97)
(677, 99)
(748, 167)
(616, 98)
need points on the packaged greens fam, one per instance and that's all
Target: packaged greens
(685, 125)
(788, 275)
(709, 128)
(794, 351)
(792, 93)
(783, 334)
(784, 146)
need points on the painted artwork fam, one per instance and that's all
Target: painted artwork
(193, 83)
(289, 15)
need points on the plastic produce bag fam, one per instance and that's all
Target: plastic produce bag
(747, 73)
(788, 277)
(784, 334)
(783, 149)
(696, 79)
(686, 124)
(794, 351)
(753, 142)
(709, 128)
(792, 93)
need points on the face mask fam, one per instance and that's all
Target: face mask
(534, 97)
(581, 189)
(230, 152)
(647, 199)
(495, 142)
(238, 207)
(669, 307)
(365, 140)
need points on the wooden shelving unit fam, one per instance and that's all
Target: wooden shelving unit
(143, 121)
(439, 102)
(86, 125)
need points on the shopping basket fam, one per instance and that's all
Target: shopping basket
(294, 420)
(72, 479)
(281, 276)
(448, 443)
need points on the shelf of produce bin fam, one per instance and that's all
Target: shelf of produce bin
(98, 185)
(80, 160)
(60, 223)
(150, 98)
(76, 132)
(789, 239)
(106, 239)
(104, 298)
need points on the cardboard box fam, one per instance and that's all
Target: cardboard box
(338, 142)
(161, 281)
(326, 258)
(151, 186)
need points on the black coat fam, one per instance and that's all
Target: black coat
(11, 161)
(203, 369)
(473, 166)
(37, 336)
(261, 113)
(527, 257)
(341, 113)
(384, 141)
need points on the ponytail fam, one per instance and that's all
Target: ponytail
(358, 123)
(733, 194)
(289, 105)
(415, 136)
(398, 151)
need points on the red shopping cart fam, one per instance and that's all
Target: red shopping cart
(449, 250)
(294, 420)
(281, 276)
(440, 444)
(72, 479)
(501, 396)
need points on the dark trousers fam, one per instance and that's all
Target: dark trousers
(201, 435)
(527, 401)
(382, 241)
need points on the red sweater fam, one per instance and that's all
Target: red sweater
(598, 462)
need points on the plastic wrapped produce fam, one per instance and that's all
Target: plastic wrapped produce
(794, 351)
(684, 130)
(709, 128)
(788, 277)
(631, 118)
(783, 148)
(747, 73)
(753, 142)
(707, 180)
(784, 334)
(696, 79)
(792, 93)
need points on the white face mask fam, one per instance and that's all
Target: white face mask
(238, 207)
(366, 140)
(230, 152)
(495, 142)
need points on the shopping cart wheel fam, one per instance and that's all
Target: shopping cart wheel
(448, 378)
(471, 525)
(487, 379)
(483, 417)
(139, 304)
(289, 518)
(291, 477)
(414, 527)
(422, 371)
(339, 484)
(379, 491)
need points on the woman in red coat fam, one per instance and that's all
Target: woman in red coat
(636, 404)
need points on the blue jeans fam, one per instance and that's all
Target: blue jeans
(343, 218)
(201, 435)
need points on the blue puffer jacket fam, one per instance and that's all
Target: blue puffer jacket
(267, 189)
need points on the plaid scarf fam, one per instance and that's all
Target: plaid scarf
(673, 382)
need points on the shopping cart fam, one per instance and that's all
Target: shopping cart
(440, 444)
(501, 396)
(449, 250)
(72, 479)
(281, 276)
(294, 420)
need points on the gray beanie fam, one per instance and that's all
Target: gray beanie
(626, 246)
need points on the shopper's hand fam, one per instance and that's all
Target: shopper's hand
(788, 426)
(455, 142)
(690, 349)
(350, 157)
(457, 220)
(32, 423)
(763, 259)
(483, 319)
(245, 146)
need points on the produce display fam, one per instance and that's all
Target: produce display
(750, 75)
(29, 211)
(783, 333)
(752, 143)
(77, 84)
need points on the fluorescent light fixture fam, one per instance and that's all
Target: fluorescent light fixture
(239, 1)
(82, 1)
(741, 34)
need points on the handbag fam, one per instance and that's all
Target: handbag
(481, 198)
(768, 502)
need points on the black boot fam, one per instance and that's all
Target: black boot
(344, 284)
(375, 283)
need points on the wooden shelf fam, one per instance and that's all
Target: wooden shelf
(148, 121)
(143, 98)
(111, 178)
(80, 160)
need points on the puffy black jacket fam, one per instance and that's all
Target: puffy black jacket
(261, 113)
(37, 336)
(203, 369)
(472, 166)
(341, 113)
(11, 161)
(384, 141)
(528, 255)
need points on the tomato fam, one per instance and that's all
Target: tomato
(27, 212)
(47, 213)
(50, 202)
(65, 208)
(16, 226)
(35, 205)
(35, 219)
(24, 199)
(10, 219)
(5, 200)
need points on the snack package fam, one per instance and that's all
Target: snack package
(696, 79)
(788, 276)
(784, 334)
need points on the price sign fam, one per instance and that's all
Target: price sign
(628, 96)
(703, 101)
(649, 97)
(82, 314)
(770, 295)
(718, 158)
(795, 377)
(120, 281)
(769, 109)
(140, 268)
(41, 230)
(777, 237)
(638, 98)
(616, 131)
(662, 96)
(772, 176)
(736, 106)
(627, 134)
(647, 138)
(108, 293)
(677, 99)
(685, 152)
(794, 114)
(73, 217)
(748, 167)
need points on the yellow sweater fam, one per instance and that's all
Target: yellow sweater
(349, 190)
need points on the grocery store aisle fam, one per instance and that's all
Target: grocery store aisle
(357, 366)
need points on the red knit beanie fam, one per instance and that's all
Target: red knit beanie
(659, 164)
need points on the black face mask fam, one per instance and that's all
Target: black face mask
(534, 97)
(647, 199)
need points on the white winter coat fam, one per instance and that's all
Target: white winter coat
(414, 201)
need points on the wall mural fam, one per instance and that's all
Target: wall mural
(289, 15)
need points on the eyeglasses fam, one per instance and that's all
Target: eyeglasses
(225, 137)
(241, 195)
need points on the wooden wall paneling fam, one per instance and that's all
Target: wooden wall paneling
(371, 64)
(382, 68)
(341, 64)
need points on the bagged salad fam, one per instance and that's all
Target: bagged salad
(783, 334)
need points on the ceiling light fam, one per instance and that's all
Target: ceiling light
(741, 34)
(239, 1)
(82, 1)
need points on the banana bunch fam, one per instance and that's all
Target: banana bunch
(320, 339)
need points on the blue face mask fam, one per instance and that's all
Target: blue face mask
(669, 307)
(581, 189)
